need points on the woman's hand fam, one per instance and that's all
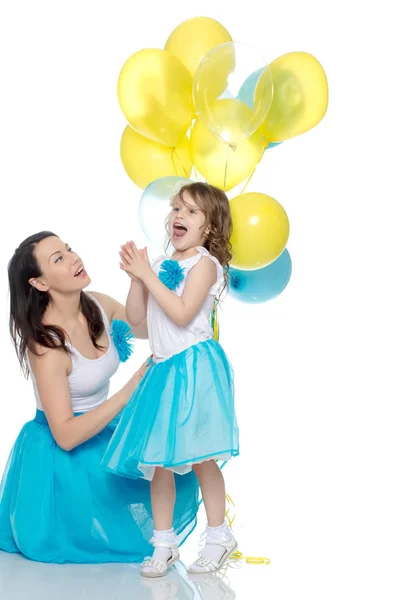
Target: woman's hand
(140, 373)
(134, 262)
(50, 368)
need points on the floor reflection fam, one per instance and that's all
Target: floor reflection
(22, 579)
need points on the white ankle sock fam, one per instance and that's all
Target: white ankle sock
(163, 553)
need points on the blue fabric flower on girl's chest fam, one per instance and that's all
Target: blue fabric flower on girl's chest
(171, 274)
(123, 339)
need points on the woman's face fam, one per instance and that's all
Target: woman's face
(62, 269)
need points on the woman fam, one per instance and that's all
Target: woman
(57, 504)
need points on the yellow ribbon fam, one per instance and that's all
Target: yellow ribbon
(214, 321)
(250, 560)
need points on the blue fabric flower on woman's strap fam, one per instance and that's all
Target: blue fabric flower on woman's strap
(171, 274)
(123, 339)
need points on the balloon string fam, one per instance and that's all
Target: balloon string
(174, 152)
(237, 555)
(226, 165)
(254, 170)
(173, 161)
(189, 134)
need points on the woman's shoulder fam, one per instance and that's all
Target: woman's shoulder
(44, 360)
(107, 303)
(103, 299)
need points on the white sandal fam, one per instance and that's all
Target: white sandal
(160, 566)
(208, 565)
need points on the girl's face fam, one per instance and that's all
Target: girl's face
(187, 224)
(62, 269)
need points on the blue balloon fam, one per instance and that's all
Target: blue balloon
(247, 91)
(255, 287)
(246, 95)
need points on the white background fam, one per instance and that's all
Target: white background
(316, 485)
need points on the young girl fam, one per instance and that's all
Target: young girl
(181, 417)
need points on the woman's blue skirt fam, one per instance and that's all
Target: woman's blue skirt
(181, 414)
(63, 507)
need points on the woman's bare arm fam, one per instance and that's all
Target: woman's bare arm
(51, 374)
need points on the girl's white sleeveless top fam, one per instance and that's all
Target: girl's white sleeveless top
(165, 337)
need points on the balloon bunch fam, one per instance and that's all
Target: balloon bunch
(214, 106)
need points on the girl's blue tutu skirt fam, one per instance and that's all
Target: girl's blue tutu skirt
(63, 507)
(182, 413)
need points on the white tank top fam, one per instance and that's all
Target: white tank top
(89, 381)
(165, 337)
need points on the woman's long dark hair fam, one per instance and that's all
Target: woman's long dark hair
(28, 305)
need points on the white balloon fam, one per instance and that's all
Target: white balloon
(154, 209)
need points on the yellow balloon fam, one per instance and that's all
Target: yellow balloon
(219, 164)
(260, 230)
(145, 160)
(194, 38)
(155, 95)
(300, 96)
(217, 88)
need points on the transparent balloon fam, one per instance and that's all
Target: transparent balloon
(217, 85)
(154, 208)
